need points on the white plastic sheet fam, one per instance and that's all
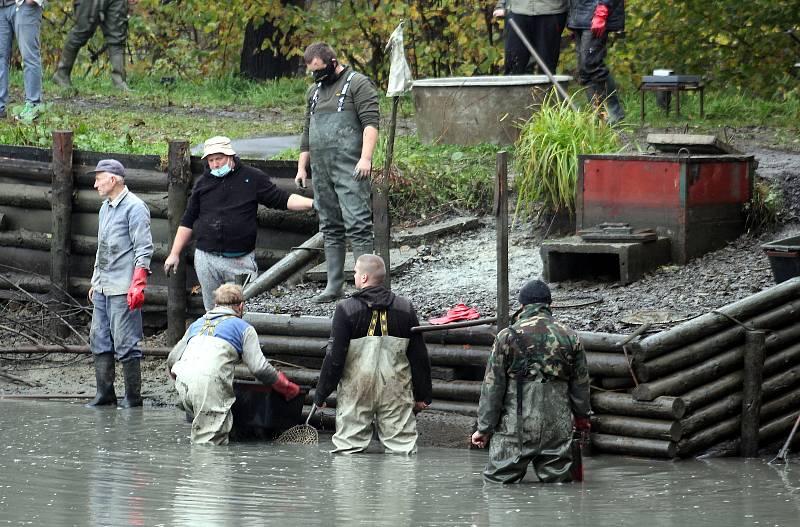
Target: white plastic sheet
(399, 72)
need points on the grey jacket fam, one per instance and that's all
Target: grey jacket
(533, 7)
(123, 243)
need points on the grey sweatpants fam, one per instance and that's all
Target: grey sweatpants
(214, 270)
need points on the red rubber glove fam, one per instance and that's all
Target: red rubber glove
(136, 291)
(599, 20)
(285, 387)
(582, 424)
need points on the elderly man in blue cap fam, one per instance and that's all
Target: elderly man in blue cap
(121, 267)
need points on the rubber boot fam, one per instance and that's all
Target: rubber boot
(132, 371)
(104, 374)
(615, 111)
(334, 263)
(62, 77)
(116, 56)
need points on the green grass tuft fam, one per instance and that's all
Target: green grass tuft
(547, 154)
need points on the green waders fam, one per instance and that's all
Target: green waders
(343, 203)
(537, 432)
(376, 387)
(112, 18)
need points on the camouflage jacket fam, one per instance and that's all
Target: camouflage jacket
(551, 353)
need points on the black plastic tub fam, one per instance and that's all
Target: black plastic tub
(260, 413)
(784, 258)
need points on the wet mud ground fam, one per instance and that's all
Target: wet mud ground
(62, 464)
(462, 269)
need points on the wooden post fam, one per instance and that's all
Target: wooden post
(501, 221)
(754, 351)
(179, 176)
(61, 207)
(382, 221)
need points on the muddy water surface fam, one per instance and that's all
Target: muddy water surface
(61, 464)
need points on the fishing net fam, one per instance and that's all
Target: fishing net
(299, 435)
(303, 434)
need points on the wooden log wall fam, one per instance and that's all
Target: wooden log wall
(34, 182)
(722, 370)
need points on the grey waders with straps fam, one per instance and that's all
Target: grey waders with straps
(376, 387)
(205, 383)
(343, 203)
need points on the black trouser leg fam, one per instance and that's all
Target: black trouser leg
(544, 34)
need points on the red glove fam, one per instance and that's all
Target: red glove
(599, 20)
(582, 424)
(285, 387)
(136, 292)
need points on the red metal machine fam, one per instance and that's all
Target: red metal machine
(697, 201)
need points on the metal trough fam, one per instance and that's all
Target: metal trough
(472, 110)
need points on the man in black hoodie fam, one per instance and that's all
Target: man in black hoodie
(222, 216)
(379, 369)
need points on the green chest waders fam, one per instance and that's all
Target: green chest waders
(343, 203)
(205, 384)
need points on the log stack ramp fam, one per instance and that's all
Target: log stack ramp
(676, 393)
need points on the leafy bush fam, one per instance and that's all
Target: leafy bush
(765, 207)
(547, 153)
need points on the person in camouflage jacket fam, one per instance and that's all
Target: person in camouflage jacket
(536, 381)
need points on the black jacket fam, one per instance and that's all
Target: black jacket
(582, 11)
(351, 321)
(222, 211)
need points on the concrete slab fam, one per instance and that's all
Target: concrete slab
(434, 231)
(259, 147)
(400, 260)
(573, 259)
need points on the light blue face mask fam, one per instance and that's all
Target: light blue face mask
(221, 171)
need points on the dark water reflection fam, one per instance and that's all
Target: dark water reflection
(61, 464)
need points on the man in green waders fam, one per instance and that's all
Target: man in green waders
(536, 381)
(379, 369)
(339, 137)
(112, 17)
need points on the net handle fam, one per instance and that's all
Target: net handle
(313, 409)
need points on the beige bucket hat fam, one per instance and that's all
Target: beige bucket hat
(218, 145)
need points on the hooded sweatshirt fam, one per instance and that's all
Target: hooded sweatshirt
(351, 321)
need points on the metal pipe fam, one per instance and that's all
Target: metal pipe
(285, 268)
(540, 62)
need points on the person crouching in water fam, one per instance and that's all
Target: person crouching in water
(202, 364)
(380, 370)
(536, 381)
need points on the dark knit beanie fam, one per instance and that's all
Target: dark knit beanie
(534, 292)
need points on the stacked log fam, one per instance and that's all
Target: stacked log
(30, 198)
(702, 362)
(683, 386)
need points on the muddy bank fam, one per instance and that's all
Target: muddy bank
(462, 269)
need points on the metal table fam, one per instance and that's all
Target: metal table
(673, 87)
